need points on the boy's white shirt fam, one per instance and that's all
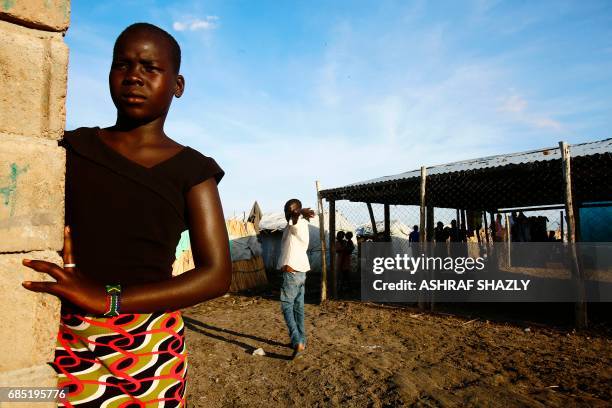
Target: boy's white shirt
(294, 245)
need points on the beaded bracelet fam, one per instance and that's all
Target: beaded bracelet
(113, 300)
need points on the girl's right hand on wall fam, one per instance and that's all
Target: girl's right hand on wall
(71, 284)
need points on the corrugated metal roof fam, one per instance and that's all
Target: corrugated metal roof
(553, 153)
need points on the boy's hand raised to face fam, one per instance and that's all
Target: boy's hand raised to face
(71, 284)
(307, 213)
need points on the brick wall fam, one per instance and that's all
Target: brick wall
(33, 66)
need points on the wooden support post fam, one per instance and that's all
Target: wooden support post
(577, 232)
(561, 224)
(430, 224)
(332, 247)
(464, 231)
(387, 223)
(430, 239)
(423, 210)
(493, 227)
(486, 227)
(323, 244)
(577, 273)
(477, 228)
(508, 240)
(422, 301)
(372, 219)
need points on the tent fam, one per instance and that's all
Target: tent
(255, 216)
(399, 234)
(247, 263)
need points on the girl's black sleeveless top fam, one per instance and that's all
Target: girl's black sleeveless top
(126, 219)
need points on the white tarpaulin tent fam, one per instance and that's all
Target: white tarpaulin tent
(271, 229)
(399, 234)
(397, 228)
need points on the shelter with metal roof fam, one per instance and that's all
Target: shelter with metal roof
(563, 177)
(525, 179)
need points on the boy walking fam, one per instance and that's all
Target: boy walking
(294, 264)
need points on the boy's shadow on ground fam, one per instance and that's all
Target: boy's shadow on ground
(205, 329)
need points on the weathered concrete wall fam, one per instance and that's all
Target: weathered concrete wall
(33, 79)
(51, 15)
(32, 193)
(33, 67)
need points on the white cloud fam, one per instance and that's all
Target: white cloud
(547, 123)
(516, 106)
(208, 23)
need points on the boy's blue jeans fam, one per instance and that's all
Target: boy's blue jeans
(292, 305)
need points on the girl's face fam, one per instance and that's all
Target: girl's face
(143, 77)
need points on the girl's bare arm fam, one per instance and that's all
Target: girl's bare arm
(209, 279)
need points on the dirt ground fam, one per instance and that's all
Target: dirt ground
(369, 355)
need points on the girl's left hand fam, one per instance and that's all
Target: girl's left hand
(71, 285)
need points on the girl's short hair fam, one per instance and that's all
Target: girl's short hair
(175, 48)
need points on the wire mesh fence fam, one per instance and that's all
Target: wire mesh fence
(358, 222)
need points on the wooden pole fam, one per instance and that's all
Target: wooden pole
(577, 273)
(508, 239)
(423, 209)
(332, 247)
(464, 231)
(477, 228)
(430, 224)
(577, 233)
(422, 302)
(561, 224)
(372, 220)
(323, 244)
(493, 227)
(387, 223)
(430, 238)
(486, 226)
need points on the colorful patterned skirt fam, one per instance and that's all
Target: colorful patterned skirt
(132, 360)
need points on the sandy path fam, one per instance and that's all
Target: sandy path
(362, 355)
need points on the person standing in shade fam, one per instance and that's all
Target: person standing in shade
(340, 251)
(440, 233)
(294, 264)
(413, 237)
(347, 264)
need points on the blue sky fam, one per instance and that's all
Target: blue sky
(284, 93)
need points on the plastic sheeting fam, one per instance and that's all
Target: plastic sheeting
(243, 240)
(400, 233)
